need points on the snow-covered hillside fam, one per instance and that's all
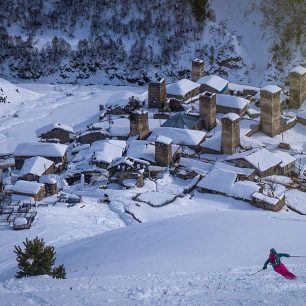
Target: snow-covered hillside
(132, 42)
(199, 259)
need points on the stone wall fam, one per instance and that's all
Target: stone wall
(226, 110)
(139, 124)
(297, 89)
(197, 70)
(157, 96)
(163, 154)
(207, 110)
(230, 137)
(270, 113)
(91, 137)
(268, 206)
(61, 135)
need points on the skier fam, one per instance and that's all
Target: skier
(274, 260)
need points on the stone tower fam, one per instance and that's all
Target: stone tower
(197, 70)
(157, 95)
(163, 151)
(230, 137)
(297, 87)
(207, 110)
(270, 110)
(139, 124)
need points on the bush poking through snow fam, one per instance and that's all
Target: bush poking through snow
(37, 259)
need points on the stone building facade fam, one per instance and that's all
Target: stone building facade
(139, 124)
(92, 136)
(163, 154)
(297, 87)
(230, 136)
(207, 110)
(270, 110)
(57, 134)
(157, 96)
(197, 70)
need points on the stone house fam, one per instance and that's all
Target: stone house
(230, 136)
(50, 183)
(34, 167)
(128, 171)
(268, 203)
(30, 189)
(183, 90)
(231, 104)
(213, 83)
(56, 132)
(92, 136)
(139, 124)
(263, 161)
(52, 151)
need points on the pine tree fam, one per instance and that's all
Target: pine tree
(37, 259)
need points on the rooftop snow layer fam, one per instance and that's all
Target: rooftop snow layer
(213, 81)
(163, 139)
(107, 153)
(121, 98)
(260, 159)
(40, 149)
(179, 136)
(271, 88)
(27, 187)
(299, 70)
(53, 126)
(181, 87)
(231, 116)
(231, 101)
(285, 157)
(35, 165)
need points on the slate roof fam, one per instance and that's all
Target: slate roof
(181, 121)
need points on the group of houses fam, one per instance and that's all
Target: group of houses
(181, 124)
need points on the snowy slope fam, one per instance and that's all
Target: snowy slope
(201, 259)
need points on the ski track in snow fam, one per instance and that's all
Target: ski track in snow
(232, 287)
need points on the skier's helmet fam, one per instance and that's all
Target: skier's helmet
(272, 251)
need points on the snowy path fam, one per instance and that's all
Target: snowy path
(232, 287)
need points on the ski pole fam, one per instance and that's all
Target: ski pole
(297, 256)
(255, 272)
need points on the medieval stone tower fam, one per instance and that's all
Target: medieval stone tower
(297, 87)
(163, 151)
(230, 137)
(207, 110)
(197, 70)
(270, 110)
(139, 124)
(157, 96)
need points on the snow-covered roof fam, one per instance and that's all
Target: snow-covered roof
(179, 136)
(181, 87)
(197, 165)
(107, 153)
(198, 60)
(213, 142)
(53, 126)
(163, 139)
(213, 81)
(26, 187)
(261, 159)
(241, 87)
(231, 116)
(182, 121)
(40, 149)
(299, 70)
(22, 198)
(265, 198)
(285, 157)
(35, 165)
(231, 101)
(120, 127)
(46, 179)
(271, 88)
(224, 182)
(283, 97)
(143, 149)
(238, 170)
(128, 161)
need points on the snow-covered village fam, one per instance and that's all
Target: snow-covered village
(178, 183)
